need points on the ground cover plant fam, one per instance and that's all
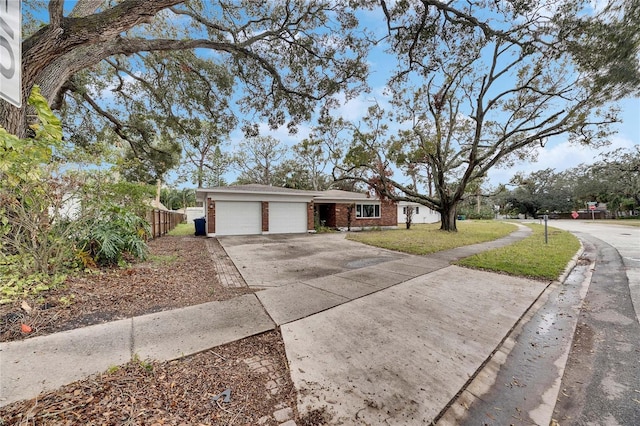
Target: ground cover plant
(424, 239)
(531, 257)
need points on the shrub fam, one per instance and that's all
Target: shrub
(114, 233)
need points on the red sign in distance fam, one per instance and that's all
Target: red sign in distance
(592, 207)
(575, 215)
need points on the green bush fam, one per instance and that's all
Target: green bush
(114, 233)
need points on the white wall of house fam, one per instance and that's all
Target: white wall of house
(69, 208)
(421, 214)
(194, 213)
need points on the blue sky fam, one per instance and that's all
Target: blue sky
(558, 154)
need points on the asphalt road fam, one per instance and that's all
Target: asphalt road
(601, 383)
(580, 353)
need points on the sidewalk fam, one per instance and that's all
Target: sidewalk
(415, 321)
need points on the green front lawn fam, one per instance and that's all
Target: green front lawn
(428, 238)
(530, 257)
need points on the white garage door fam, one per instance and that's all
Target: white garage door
(238, 217)
(287, 218)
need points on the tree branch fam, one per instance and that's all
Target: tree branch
(55, 13)
(85, 7)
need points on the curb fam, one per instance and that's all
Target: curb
(486, 375)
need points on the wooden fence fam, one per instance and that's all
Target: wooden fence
(163, 221)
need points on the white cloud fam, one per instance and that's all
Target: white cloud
(560, 157)
(281, 134)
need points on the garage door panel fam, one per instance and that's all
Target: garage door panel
(287, 218)
(238, 218)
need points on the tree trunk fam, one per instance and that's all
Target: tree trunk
(448, 217)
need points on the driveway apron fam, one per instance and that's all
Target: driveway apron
(377, 337)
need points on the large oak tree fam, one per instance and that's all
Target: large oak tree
(481, 82)
(286, 55)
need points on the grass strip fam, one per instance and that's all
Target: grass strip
(530, 257)
(183, 229)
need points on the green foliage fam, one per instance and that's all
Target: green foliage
(175, 199)
(615, 180)
(15, 283)
(530, 257)
(22, 159)
(257, 159)
(100, 187)
(51, 224)
(114, 233)
(33, 239)
(146, 365)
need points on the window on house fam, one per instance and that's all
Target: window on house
(367, 210)
(416, 210)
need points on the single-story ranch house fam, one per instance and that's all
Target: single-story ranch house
(261, 209)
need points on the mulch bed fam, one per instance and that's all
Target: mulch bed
(170, 393)
(179, 273)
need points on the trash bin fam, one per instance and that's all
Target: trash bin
(200, 226)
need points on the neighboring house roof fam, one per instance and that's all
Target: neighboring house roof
(156, 204)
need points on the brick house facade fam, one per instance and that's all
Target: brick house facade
(260, 209)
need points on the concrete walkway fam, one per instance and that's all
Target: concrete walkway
(391, 342)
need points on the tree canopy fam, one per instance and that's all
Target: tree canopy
(479, 83)
(285, 55)
(613, 180)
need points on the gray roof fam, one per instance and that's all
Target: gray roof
(337, 194)
(254, 187)
(332, 195)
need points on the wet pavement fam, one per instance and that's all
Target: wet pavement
(579, 353)
(601, 384)
(525, 387)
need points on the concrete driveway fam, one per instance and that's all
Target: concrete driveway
(277, 260)
(378, 337)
